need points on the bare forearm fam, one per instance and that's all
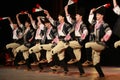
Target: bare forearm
(114, 3)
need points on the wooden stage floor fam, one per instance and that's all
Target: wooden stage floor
(10, 73)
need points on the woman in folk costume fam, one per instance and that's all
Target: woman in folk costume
(102, 34)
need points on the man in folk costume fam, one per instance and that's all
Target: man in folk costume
(17, 37)
(28, 40)
(62, 30)
(88, 61)
(50, 41)
(116, 29)
(102, 33)
(34, 52)
(80, 33)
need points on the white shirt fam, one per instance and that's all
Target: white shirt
(60, 28)
(77, 28)
(48, 32)
(26, 30)
(90, 18)
(69, 19)
(14, 32)
(117, 10)
(38, 36)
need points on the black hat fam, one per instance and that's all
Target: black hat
(40, 13)
(14, 21)
(101, 10)
(28, 20)
(46, 21)
(80, 11)
(62, 13)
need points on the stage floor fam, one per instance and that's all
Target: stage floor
(10, 73)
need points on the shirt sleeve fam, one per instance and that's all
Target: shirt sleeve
(34, 25)
(69, 19)
(108, 33)
(51, 20)
(11, 25)
(90, 18)
(117, 10)
(84, 34)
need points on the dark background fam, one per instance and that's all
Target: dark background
(109, 56)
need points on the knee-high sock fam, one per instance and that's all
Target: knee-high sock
(30, 59)
(64, 65)
(51, 64)
(79, 65)
(99, 70)
(69, 53)
(17, 58)
(33, 57)
(40, 66)
(89, 54)
(28, 62)
(10, 52)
